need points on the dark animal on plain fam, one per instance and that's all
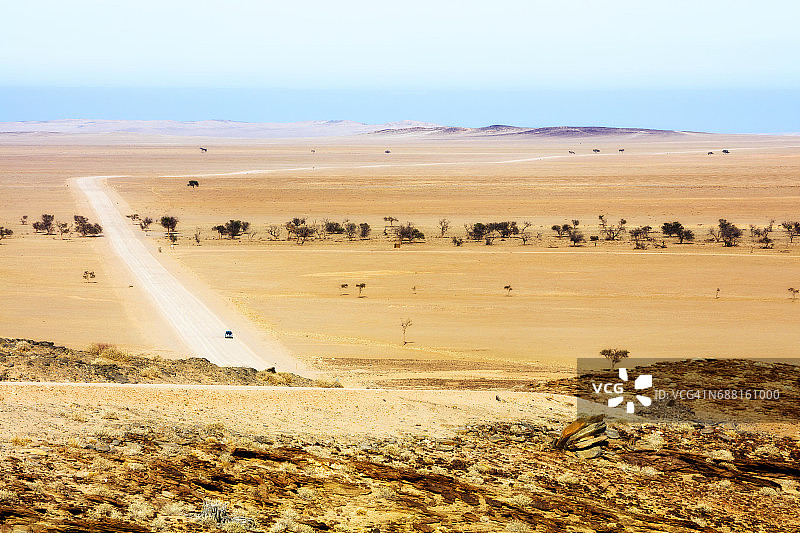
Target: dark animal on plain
(710, 153)
(387, 152)
(595, 150)
(621, 150)
(573, 153)
(204, 150)
(725, 151)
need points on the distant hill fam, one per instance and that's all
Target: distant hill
(208, 128)
(327, 128)
(501, 130)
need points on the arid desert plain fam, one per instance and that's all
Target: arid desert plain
(486, 317)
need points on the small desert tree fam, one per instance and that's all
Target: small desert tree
(364, 230)
(561, 229)
(685, 235)
(641, 236)
(169, 223)
(274, 232)
(615, 355)
(476, 231)
(24, 220)
(88, 275)
(63, 228)
(342, 289)
(360, 287)
(726, 232)
(404, 325)
(390, 220)
(408, 233)
(145, 223)
(575, 236)
(193, 184)
(332, 227)
(5, 232)
(84, 227)
(611, 231)
(444, 225)
(220, 228)
(671, 228)
(45, 225)
(508, 289)
(793, 293)
(234, 228)
(792, 229)
(350, 230)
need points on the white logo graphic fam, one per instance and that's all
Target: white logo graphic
(645, 381)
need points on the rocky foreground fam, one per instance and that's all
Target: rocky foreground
(30, 360)
(107, 459)
(486, 477)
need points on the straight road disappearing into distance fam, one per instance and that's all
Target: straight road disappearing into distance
(199, 327)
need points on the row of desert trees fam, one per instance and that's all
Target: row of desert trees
(300, 230)
(48, 225)
(724, 232)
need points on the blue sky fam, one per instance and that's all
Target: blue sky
(704, 65)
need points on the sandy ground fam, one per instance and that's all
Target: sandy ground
(321, 413)
(565, 303)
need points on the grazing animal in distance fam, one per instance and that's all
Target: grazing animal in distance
(595, 150)
(573, 153)
(710, 153)
(621, 150)
(726, 151)
(204, 150)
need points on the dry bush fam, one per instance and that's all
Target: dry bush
(721, 455)
(150, 372)
(115, 354)
(101, 464)
(140, 511)
(568, 478)
(132, 448)
(77, 416)
(768, 491)
(135, 467)
(99, 347)
(175, 509)
(233, 527)
(326, 384)
(23, 346)
(109, 414)
(720, 485)
(656, 440)
(105, 510)
(517, 526)
(8, 496)
(109, 433)
(521, 500)
(278, 379)
(20, 441)
(307, 493)
(768, 450)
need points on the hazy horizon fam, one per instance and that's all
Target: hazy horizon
(714, 111)
(717, 66)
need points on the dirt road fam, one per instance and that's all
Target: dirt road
(198, 326)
